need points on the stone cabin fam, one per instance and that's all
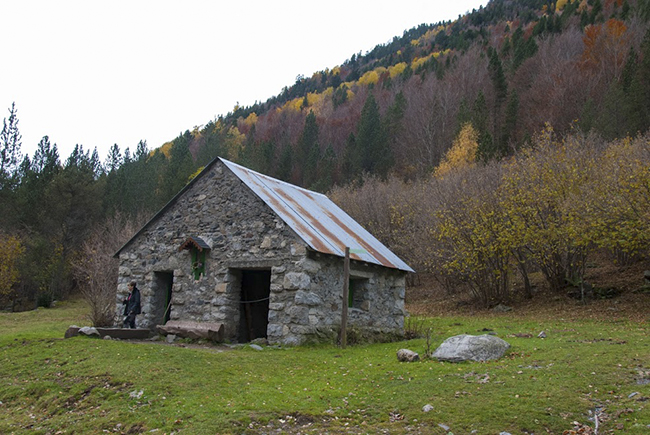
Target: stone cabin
(264, 258)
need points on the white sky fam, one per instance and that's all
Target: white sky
(97, 73)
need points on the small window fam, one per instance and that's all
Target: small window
(358, 294)
(198, 263)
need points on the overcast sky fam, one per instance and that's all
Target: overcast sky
(97, 73)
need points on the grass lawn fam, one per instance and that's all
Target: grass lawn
(84, 385)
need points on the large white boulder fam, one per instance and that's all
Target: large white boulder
(471, 347)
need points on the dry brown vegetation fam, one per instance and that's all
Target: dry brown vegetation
(96, 269)
(426, 297)
(548, 221)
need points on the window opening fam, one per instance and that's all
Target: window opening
(198, 263)
(358, 293)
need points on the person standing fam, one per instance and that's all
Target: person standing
(131, 306)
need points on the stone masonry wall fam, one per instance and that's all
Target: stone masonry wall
(244, 233)
(315, 295)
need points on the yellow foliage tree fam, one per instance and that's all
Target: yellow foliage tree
(371, 77)
(234, 143)
(396, 70)
(251, 119)
(618, 201)
(166, 148)
(539, 193)
(11, 250)
(194, 175)
(470, 230)
(313, 98)
(462, 153)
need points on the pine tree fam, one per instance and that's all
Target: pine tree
(309, 150)
(480, 121)
(351, 165)
(10, 155)
(373, 150)
(114, 159)
(285, 165)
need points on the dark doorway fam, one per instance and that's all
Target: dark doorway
(162, 297)
(254, 306)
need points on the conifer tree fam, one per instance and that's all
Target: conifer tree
(309, 150)
(374, 154)
(113, 159)
(286, 163)
(10, 155)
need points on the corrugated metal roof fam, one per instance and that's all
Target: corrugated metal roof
(317, 220)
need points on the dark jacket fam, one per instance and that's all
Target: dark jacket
(132, 302)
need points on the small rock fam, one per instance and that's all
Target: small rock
(136, 394)
(256, 347)
(260, 341)
(107, 337)
(170, 338)
(541, 335)
(443, 426)
(632, 394)
(88, 331)
(427, 408)
(501, 308)
(504, 433)
(406, 355)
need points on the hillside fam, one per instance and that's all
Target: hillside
(498, 79)
(508, 68)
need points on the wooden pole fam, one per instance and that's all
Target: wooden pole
(346, 293)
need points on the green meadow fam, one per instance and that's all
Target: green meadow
(586, 375)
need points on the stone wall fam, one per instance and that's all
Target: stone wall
(307, 305)
(244, 233)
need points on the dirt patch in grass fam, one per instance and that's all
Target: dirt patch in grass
(620, 294)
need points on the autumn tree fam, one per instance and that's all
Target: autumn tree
(618, 200)
(470, 242)
(536, 194)
(95, 267)
(463, 152)
(11, 251)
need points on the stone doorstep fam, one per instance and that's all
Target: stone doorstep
(121, 333)
(194, 330)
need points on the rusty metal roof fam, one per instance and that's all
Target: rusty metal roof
(317, 220)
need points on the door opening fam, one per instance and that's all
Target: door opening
(162, 297)
(254, 304)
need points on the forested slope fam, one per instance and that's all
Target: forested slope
(507, 70)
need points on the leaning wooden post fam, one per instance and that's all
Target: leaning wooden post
(346, 293)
